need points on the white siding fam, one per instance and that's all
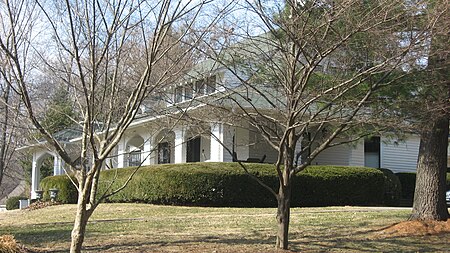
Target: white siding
(259, 147)
(205, 147)
(228, 132)
(241, 143)
(229, 80)
(338, 155)
(400, 156)
(357, 155)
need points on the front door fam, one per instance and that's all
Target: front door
(193, 150)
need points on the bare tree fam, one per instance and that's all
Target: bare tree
(90, 46)
(10, 127)
(308, 78)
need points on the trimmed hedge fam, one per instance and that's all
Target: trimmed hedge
(408, 182)
(13, 202)
(67, 192)
(392, 188)
(226, 184)
(334, 185)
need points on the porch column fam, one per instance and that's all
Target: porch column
(58, 165)
(146, 153)
(180, 146)
(35, 175)
(120, 154)
(216, 142)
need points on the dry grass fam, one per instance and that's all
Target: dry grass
(149, 228)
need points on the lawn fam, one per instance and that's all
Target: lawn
(150, 228)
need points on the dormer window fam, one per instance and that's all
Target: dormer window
(200, 87)
(197, 88)
(189, 91)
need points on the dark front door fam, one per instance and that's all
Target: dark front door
(193, 150)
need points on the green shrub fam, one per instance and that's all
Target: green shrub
(392, 188)
(333, 185)
(13, 202)
(408, 183)
(212, 184)
(226, 184)
(67, 192)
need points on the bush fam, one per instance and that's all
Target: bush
(203, 184)
(13, 202)
(226, 184)
(408, 183)
(332, 185)
(392, 188)
(67, 192)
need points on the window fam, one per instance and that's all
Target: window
(211, 84)
(163, 153)
(372, 152)
(178, 94)
(200, 87)
(188, 91)
(134, 158)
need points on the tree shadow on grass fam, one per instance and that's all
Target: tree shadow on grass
(351, 241)
(36, 235)
(184, 245)
(365, 241)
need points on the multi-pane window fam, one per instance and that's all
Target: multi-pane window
(199, 87)
(189, 91)
(134, 158)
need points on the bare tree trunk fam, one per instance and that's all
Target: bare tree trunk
(79, 227)
(284, 193)
(82, 215)
(283, 216)
(429, 196)
(4, 129)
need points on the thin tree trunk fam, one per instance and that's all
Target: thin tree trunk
(4, 129)
(429, 196)
(283, 216)
(79, 228)
(81, 217)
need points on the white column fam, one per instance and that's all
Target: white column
(216, 142)
(120, 154)
(147, 149)
(35, 176)
(180, 146)
(58, 165)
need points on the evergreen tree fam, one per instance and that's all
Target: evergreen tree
(60, 113)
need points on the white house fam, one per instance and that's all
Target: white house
(150, 141)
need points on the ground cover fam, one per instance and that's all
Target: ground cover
(151, 228)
